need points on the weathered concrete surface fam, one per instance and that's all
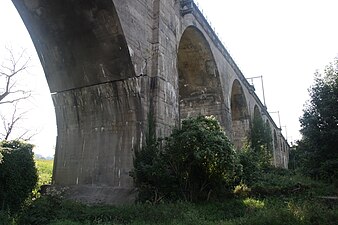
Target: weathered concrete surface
(200, 91)
(110, 63)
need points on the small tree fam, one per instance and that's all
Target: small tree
(256, 155)
(18, 174)
(320, 126)
(261, 142)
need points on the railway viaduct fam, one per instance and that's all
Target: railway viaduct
(110, 64)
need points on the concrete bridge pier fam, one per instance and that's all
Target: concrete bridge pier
(101, 103)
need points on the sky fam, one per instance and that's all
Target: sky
(285, 42)
(40, 116)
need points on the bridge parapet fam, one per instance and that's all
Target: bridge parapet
(187, 6)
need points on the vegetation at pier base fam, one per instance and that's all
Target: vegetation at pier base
(195, 163)
(278, 197)
(194, 176)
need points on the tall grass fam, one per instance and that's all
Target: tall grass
(277, 198)
(270, 211)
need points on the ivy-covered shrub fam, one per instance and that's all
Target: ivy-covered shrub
(195, 163)
(18, 174)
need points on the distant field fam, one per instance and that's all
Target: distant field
(45, 170)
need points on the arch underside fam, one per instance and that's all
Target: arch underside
(96, 95)
(80, 43)
(257, 113)
(277, 153)
(199, 83)
(240, 115)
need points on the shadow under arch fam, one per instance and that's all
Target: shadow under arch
(200, 91)
(88, 68)
(276, 149)
(257, 113)
(239, 115)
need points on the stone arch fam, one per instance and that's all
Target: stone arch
(277, 149)
(257, 113)
(275, 143)
(200, 91)
(239, 114)
(268, 127)
(85, 57)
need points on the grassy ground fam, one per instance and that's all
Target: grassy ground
(275, 199)
(248, 211)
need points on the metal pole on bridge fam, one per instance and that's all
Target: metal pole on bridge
(260, 77)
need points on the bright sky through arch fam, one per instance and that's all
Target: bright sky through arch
(40, 117)
(284, 41)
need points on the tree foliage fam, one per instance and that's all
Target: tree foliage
(319, 125)
(256, 155)
(261, 141)
(18, 175)
(195, 163)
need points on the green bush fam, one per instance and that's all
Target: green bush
(249, 161)
(18, 175)
(195, 163)
(202, 158)
(42, 210)
(152, 176)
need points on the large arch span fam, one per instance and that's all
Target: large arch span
(200, 91)
(239, 114)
